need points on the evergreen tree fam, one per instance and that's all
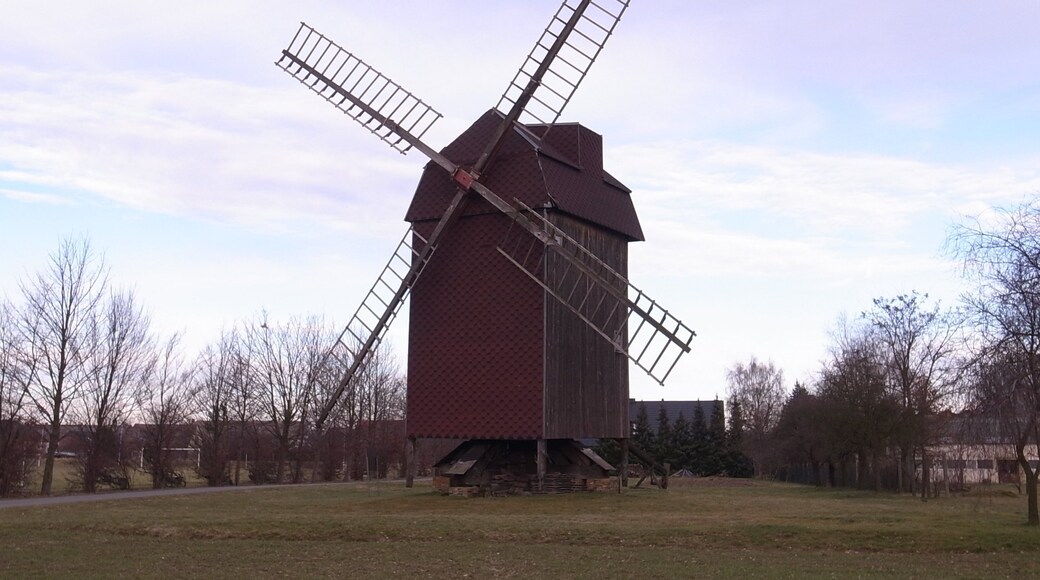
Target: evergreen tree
(736, 463)
(714, 455)
(736, 423)
(610, 451)
(681, 444)
(644, 434)
(699, 446)
(664, 435)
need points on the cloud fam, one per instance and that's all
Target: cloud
(199, 148)
(36, 197)
(787, 159)
(868, 194)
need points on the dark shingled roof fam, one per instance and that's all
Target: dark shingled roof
(563, 172)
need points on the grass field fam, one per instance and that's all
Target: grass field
(65, 475)
(719, 528)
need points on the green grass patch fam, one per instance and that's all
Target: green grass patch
(758, 529)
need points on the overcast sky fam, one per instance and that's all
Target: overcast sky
(789, 160)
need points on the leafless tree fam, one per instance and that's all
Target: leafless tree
(920, 355)
(1002, 259)
(17, 444)
(285, 359)
(329, 437)
(122, 359)
(166, 409)
(215, 374)
(59, 306)
(360, 416)
(379, 399)
(759, 389)
(244, 405)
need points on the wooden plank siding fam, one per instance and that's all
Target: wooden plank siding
(586, 380)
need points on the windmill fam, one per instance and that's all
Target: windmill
(522, 319)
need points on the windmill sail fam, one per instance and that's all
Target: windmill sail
(362, 335)
(561, 58)
(554, 68)
(602, 298)
(380, 105)
(366, 328)
(606, 301)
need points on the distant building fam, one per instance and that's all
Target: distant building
(972, 449)
(674, 408)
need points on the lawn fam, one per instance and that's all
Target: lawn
(721, 528)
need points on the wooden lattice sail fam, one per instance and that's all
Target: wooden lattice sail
(539, 274)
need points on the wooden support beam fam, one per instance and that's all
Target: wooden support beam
(409, 462)
(623, 443)
(542, 459)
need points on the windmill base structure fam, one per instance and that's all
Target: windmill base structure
(522, 318)
(495, 468)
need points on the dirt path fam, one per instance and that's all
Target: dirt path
(146, 493)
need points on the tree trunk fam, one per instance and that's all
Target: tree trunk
(900, 471)
(926, 473)
(238, 452)
(1031, 478)
(318, 473)
(1034, 515)
(908, 468)
(48, 464)
(875, 464)
(283, 445)
(861, 470)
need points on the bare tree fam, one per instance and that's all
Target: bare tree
(330, 438)
(285, 358)
(122, 358)
(381, 402)
(244, 405)
(919, 353)
(17, 444)
(362, 414)
(58, 310)
(759, 389)
(166, 408)
(216, 371)
(1003, 262)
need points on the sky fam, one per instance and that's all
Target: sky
(790, 161)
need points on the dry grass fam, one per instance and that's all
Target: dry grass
(721, 528)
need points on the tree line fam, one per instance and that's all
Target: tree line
(899, 372)
(75, 350)
(704, 446)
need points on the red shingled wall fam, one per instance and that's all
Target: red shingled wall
(475, 351)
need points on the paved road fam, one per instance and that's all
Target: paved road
(79, 498)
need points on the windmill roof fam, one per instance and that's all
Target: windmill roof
(564, 171)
